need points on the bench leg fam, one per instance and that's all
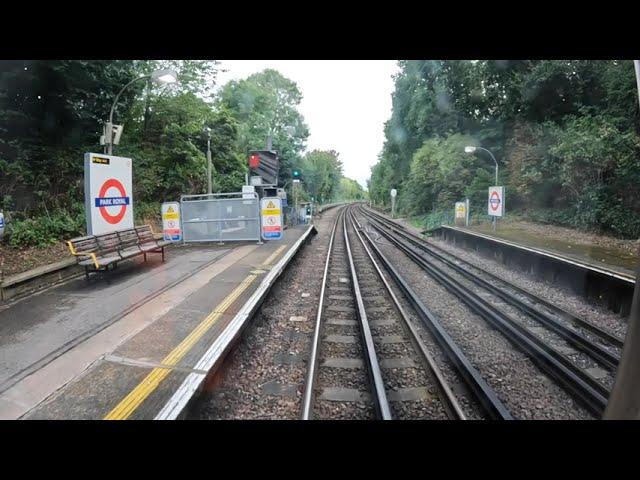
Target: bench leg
(145, 256)
(163, 254)
(86, 273)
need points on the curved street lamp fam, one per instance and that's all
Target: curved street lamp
(471, 149)
(162, 76)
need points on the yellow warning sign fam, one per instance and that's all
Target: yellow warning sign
(270, 205)
(170, 209)
(271, 211)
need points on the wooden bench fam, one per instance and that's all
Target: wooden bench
(99, 252)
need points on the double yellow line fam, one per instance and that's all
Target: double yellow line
(134, 399)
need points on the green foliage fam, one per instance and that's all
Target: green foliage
(322, 174)
(51, 113)
(349, 189)
(565, 133)
(264, 104)
(46, 230)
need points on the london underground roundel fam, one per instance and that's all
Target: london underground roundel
(106, 201)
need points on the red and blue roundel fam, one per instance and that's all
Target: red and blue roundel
(103, 201)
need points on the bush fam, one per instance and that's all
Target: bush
(45, 230)
(147, 212)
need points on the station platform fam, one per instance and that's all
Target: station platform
(136, 342)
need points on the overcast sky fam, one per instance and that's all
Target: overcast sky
(344, 102)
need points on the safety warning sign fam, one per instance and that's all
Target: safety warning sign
(171, 221)
(271, 218)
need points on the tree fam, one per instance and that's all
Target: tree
(50, 112)
(264, 104)
(322, 173)
(349, 189)
(564, 131)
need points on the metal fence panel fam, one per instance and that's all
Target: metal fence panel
(220, 217)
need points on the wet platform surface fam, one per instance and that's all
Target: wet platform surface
(121, 343)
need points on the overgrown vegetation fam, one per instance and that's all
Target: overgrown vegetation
(52, 112)
(565, 134)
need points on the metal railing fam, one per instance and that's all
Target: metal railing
(220, 217)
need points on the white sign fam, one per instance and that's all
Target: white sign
(496, 201)
(248, 191)
(271, 218)
(461, 210)
(394, 192)
(171, 221)
(108, 194)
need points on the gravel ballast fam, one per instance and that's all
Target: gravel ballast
(255, 366)
(526, 391)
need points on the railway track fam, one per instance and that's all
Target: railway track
(564, 346)
(367, 358)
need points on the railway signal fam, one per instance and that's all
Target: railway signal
(264, 164)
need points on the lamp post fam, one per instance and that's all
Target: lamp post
(472, 149)
(209, 191)
(162, 76)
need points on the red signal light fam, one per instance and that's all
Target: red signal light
(254, 160)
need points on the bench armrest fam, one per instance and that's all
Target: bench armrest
(83, 254)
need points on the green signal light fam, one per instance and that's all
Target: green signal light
(296, 173)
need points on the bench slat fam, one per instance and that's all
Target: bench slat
(112, 247)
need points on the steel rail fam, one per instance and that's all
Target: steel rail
(313, 358)
(576, 339)
(592, 393)
(484, 394)
(373, 367)
(450, 402)
(593, 328)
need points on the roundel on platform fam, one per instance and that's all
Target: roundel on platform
(112, 201)
(496, 201)
(108, 193)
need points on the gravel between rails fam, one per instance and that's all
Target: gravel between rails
(379, 306)
(525, 390)
(560, 296)
(253, 363)
(579, 358)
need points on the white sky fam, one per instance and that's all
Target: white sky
(345, 103)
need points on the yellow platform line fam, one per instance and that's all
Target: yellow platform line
(272, 257)
(139, 394)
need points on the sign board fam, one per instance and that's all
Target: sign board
(496, 201)
(248, 191)
(1, 224)
(108, 194)
(271, 218)
(171, 228)
(394, 192)
(461, 213)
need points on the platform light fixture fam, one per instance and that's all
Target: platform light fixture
(161, 77)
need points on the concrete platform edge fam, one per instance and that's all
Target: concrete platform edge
(212, 358)
(587, 266)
